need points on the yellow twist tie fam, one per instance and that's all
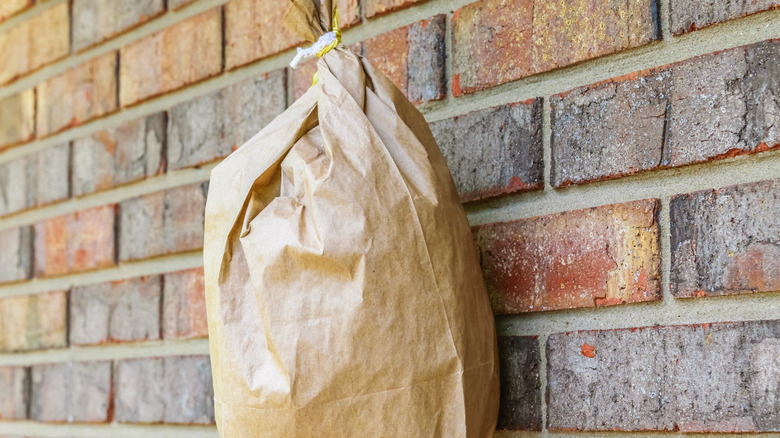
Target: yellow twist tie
(336, 31)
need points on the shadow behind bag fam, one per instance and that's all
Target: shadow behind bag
(344, 292)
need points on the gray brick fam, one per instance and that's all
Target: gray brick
(71, 392)
(425, 68)
(98, 20)
(170, 390)
(121, 155)
(720, 377)
(18, 180)
(690, 15)
(726, 241)
(16, 254)
(36, 179)
(521, 395)
(15, 382)
(211, 126)
(126, 310)
(610, 128)
(494, 151)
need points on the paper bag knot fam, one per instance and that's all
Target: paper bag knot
(327, 42)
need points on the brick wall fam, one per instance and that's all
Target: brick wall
(617, 160)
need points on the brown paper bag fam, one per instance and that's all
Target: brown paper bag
(344, 292)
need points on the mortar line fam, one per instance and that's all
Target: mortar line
(647, 185)
(152, 266)
(104, 352)
(448, 56)
(108, 430)
(665, 227)
(547, 142)
(37, 8)
(664, 15)
(542, 344)
(718, 37)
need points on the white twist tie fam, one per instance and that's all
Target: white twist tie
(325, 40)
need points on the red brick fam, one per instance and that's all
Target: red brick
(169, 390)
(15, 382)
(78, 95)
(35, 179)
(95, 21)
(116, 311)
(162, 223)
(9, 8)
(130, 152)
(690, 15)
(25, 48)
(75, 242)
(31, 322)
(498, 41)
(719, 377)
(17, 118)
(494, 151)
(380, 7)
(585, 258)
(521, 388)
(71, 392)
(726, 241)
(212, 126)
(184, 307)
(16, 254)
(247, 36)
(179, 55)
(413, 58)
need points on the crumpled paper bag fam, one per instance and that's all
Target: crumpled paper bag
(344, 292)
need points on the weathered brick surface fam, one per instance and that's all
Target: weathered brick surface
(16, 254)
(170, 390)
(98, 20)
(595, 257)
(700, 378)
(413, 57)
(9, 8)
(121, 155)
(77, 95)
(71, 392)
(704, 108)
(15, 382)
(379, 7)
(162, 223)
(17, 118)
(116, 311)
(690, 15)
(35, 179)
(521, 395)
(494, 151)
(25, 48)
(212, 126)
(726, 241)
(184, 306)
(182, 54)
(246, 31)
(497, 41)
(30, 322)
(75, 242)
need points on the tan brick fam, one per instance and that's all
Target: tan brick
(17, 118)
(77, 95)
(75, 242)
(116, 311)
(127, 153)
(182, 54)
(26, 48)
(31, 322)
(184, 306)
(380, 7)
(247, 35)
(497, 41)
(9, 8)
(585, 258)
(15, 382)
(98, 20)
